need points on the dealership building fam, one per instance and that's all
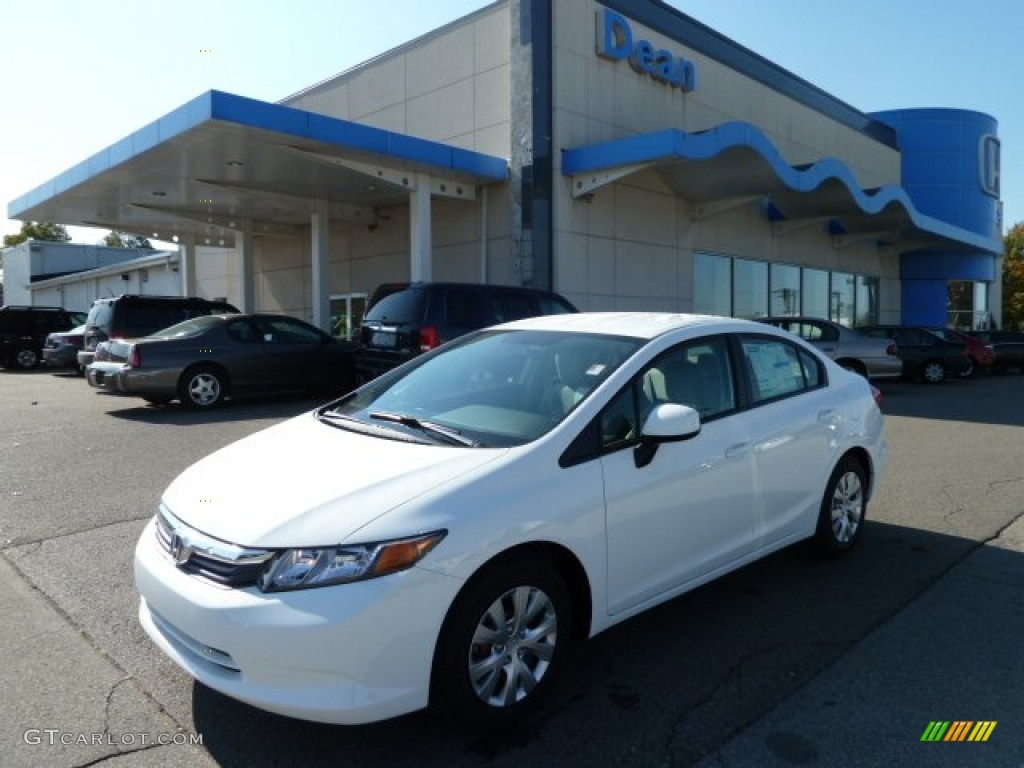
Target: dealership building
(618, 152)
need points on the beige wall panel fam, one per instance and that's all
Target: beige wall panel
(376, 87)
(459, 262)
(571, 265)
(442, 113)
(645, 270)
(492, 97)
(439, 62)
(492, 39)
(644, 216)
(495, 140)
(285, 290)
(601, 264)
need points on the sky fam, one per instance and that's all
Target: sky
(77, 76)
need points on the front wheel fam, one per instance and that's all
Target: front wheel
(934, 372)
(504, 638)
(842, 508)
(202, 388)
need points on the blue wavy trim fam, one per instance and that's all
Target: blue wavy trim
(706, 145)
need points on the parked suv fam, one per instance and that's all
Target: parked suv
(131, 317)
(23, 332)
(871, 357)
(407, 319)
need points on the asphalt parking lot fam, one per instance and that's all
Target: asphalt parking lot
(792, 661)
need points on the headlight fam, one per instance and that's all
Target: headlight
(323, 566)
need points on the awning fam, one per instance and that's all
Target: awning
(735, 164)
(221, 162)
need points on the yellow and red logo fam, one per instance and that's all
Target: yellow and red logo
(958, 730)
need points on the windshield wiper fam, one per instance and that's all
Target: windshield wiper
(357, 425)
(438, 430)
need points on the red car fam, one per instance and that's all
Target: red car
(981, 354)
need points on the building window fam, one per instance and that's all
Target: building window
(968, 305)
(750, 288)
(712, 285)
(867, 300)
(815, 293)
(841, 299)
(347, 310)
(785, 290)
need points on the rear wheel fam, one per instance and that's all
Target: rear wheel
(202, 387)
(26, 358)
(503, 640)
(842, 509)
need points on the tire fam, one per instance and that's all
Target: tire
(843, 508)
(518, 612)
(26, 358)
(202, 387)
(933, 372)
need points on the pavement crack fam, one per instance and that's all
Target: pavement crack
(16, 543)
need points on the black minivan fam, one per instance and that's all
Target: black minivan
(131, 317)
(407, 319)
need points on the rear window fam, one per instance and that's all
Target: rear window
(193, 327)
(100, 314)
(402, 307)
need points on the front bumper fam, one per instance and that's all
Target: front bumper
(348, 654)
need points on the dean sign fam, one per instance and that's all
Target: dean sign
(615, 42)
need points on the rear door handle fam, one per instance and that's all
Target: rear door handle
(738, 450)
(828, 416)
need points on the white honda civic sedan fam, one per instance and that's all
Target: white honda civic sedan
(442, 535)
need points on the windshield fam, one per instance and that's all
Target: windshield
(193, 327)
(492, 388)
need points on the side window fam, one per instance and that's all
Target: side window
(509, 305)
(284, 331)
(620, 419)
(464, 309)
(697, 374)
(244, 332)
(777, 368)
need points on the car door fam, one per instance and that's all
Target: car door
(691, 510)
(296, 357)
(245, 355)
(791, 423)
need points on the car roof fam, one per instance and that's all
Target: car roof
(644, 325)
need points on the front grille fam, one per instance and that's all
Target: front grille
(206, 557)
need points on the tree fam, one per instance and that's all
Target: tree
(1013, 277)
(38, 230)
(117, 239)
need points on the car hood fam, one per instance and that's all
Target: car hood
(306, 483)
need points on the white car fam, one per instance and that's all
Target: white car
(441, 535)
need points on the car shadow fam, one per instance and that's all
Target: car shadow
(277, 407)
(674, 684)
(981, 399)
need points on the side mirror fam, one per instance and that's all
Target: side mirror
(667, 423)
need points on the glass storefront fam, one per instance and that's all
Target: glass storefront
(747, 288)
(712, 284)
